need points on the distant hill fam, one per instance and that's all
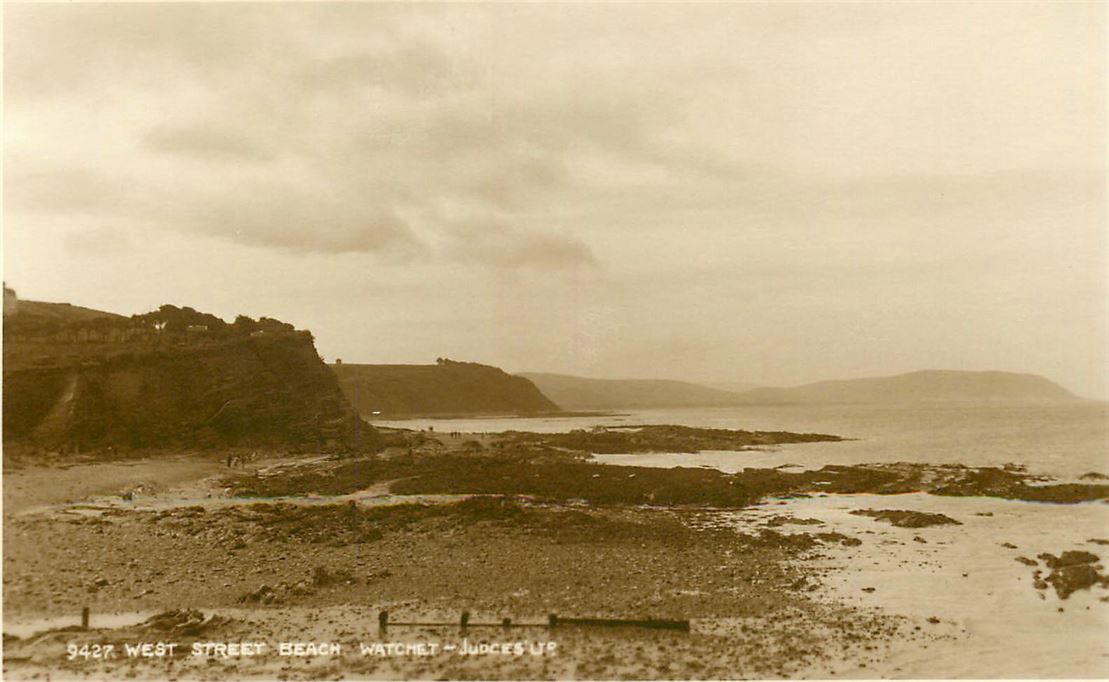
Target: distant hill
(580, 393)
(731, 386)
(917, 387)
(445, 388)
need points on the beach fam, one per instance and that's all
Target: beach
(314, 548)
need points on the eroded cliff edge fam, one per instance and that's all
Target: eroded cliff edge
(173, 378)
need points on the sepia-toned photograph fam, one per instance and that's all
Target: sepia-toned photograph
(555, 341)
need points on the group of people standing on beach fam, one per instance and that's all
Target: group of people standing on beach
(240, 461)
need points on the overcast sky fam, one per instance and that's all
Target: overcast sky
(771, 193)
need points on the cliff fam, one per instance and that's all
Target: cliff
(157, 381)
(581, 393)
(444, 388)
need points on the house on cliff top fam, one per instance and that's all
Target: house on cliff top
(11, 301)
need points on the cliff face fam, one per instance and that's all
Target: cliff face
(253, 389)
(447, 387)
(581, 393)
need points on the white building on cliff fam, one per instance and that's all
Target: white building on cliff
(11, 301)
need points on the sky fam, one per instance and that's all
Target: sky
(770, 193)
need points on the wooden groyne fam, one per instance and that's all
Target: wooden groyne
(553, 621)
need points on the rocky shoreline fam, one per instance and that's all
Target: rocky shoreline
(490, 556)
(558, 467)
(513, 527)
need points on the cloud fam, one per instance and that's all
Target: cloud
(275, 140)
(101, 242)
(59, 50)
(549, 250)
(65, 190)
(206, 142)
(239, 122)
(494, 242)
(298, 220)
(413, 69)
(261, 213)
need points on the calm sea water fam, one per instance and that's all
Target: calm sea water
(1064, 440)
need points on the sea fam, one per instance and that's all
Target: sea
(1061, 440)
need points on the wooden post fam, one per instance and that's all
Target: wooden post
(85, 618)
(383, 621)
(506, 623)
(465, 619)
(552, 620)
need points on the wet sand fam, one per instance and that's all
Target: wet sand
(28, 487)
(966, 576)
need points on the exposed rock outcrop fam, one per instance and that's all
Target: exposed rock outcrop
(903, 518)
